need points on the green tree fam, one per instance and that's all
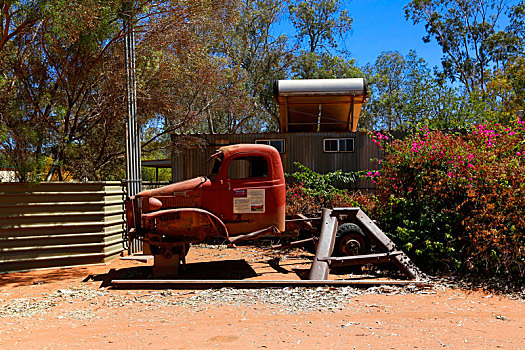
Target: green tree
(321, 25)
(16, 17)
(256, 58)
(405, 94)
(469, 34)
(66, 89)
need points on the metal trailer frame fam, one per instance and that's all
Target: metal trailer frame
(322, 263)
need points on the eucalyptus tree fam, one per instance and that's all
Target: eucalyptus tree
(257, 56)
(470, 34)
(404, 94)
(66, 103)
(321, 27)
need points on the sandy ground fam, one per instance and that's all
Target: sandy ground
(66, 308)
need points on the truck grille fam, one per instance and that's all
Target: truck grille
(177, 202)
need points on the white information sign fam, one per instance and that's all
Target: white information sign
(248, 201)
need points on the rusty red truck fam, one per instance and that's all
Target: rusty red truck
(244, 196)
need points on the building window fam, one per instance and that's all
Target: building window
(276, 143)
(339, 145)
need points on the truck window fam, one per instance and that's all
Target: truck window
(248, 167)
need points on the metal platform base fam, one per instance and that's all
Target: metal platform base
(248, 284)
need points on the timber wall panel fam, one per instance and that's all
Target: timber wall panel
(60, 224)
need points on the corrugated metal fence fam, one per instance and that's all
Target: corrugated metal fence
(60, 224)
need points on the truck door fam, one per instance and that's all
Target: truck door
(242, 191)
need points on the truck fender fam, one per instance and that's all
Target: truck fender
(193, 223)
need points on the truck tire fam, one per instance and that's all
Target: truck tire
(350, 240)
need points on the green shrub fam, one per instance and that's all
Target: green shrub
(309, 191)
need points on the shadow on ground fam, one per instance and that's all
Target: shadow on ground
(213, 270)
(17, 279)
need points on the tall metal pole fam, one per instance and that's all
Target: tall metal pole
(133, 152)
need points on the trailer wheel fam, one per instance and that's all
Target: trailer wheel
(350, 240)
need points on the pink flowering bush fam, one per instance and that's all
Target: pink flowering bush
(457, 201)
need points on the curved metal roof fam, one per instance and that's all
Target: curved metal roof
(320, 104)
(351, 86)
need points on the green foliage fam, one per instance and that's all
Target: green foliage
(319, 22)
(254, 59)
(321, 186)
(469, 35)
(311, 65)
(150, 175)
(300, 200)
(457, 201)
(404, 93)
(480, 54)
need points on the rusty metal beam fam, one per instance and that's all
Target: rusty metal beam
(291, 244)
(303, 219)
(320, 269)
(255, 234)
(361, 259)
(207, 284)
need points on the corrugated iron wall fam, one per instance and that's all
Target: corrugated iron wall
(60, 224)
(305, 148)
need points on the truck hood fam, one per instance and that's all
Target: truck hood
(177, 188)
(182, 194)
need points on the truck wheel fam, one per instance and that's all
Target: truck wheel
(350, 240)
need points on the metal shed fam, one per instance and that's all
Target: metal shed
(313, 105)
(320, 151)
(318, 121)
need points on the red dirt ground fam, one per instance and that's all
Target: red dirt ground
(55, 309)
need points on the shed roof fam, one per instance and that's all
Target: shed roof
(320, 104)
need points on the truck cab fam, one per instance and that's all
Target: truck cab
(244, 192)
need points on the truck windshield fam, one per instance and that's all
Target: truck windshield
(217, 161)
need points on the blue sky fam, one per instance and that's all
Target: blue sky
(381, 26)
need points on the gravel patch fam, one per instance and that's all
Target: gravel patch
(26, 307)
(279, 300)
